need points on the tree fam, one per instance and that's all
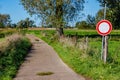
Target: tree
(25, 23)
(28, 23)
(4, 20)
(91, 21)
(82, 25)
(113, 7)
(20, 24)
(13, 25)
(55, 12)
(100, 15)
(88, 23)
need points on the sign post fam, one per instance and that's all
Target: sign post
(104, 27)
(105, 41)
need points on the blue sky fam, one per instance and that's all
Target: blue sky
(18, 13)
(91, 7)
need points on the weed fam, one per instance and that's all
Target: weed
(13, 51)
(45, 73)
(36, 39)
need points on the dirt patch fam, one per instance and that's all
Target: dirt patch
(45, 73)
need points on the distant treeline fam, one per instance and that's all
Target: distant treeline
(5, 22)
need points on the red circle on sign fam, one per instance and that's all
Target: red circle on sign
(104, 27)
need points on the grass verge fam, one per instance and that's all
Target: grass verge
(12, 54)
(87, 62)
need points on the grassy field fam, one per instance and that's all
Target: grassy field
(81, 33)
(86, 59)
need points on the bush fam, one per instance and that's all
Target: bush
(82, 25)
(4, 33)
(13, 53)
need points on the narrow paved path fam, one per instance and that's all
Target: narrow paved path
(43, 58)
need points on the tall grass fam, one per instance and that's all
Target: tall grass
(85, 58)
(87, 61)
(12, 53)
(7, 32)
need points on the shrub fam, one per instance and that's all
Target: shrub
(4, 33)
(12, 55)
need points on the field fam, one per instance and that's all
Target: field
(84, 58)
(83, 55)
(80, 33)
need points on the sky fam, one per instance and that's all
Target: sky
(17, 12)
(91, 7)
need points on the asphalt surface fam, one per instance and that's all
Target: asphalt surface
(42, 59)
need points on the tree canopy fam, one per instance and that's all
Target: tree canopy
(113, 11)
(4, 20)
(25, 23)
(54, 12)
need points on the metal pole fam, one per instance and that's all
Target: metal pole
(104, 42)
(105, 49)
(102, 51)
(105, 11)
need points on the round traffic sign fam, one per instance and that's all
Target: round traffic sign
(104, 27)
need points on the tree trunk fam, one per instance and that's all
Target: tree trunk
(59, 18)
(60, 32)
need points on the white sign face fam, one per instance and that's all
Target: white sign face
(104, 27)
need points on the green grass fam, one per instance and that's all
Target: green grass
(2, 39)
(12, 55)
(7, 32)
(79, 33)
(88, 62)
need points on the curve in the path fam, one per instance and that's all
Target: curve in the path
(43, 58)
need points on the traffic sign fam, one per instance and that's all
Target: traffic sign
(104, 27)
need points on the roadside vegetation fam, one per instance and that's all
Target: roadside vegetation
(80, 49)
(6, 32)
(84, 57)
(13, 50)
